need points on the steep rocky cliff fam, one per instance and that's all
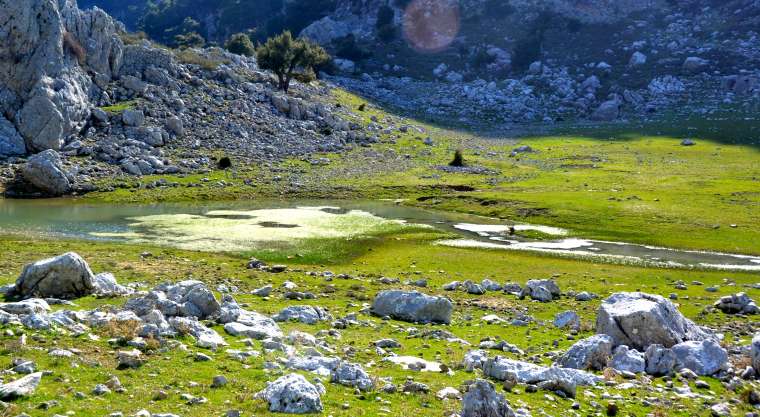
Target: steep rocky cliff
(53, 59)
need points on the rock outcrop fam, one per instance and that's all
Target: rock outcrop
(51, 53)
(639, 320)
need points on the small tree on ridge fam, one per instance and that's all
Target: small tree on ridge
(284, 54)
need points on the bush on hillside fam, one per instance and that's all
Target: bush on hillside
(241, 44)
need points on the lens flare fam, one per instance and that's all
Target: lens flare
(431, 25)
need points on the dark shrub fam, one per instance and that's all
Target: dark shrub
(224, 163)
(458, 160)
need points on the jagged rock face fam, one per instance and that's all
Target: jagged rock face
(49, 49)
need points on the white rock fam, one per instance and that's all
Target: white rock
(412, 306)
(481, 400)
(638, 320)
(590, 353)
(65, 276)
(292, 394)
(629, 360)
(705, 357)
(22, 387)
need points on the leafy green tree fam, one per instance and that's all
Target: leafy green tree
(284, 54)
(241, 44)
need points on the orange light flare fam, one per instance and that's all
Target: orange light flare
(431, 25)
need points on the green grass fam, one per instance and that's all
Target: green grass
(119, 108)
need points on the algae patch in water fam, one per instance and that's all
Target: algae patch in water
(238, 231)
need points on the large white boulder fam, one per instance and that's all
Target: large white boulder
(46, 172)
(413, 306)
(755, 353)
(639, 320)
(65, 276)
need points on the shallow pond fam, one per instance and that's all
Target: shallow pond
(256, 225)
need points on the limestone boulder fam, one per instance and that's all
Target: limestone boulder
(412, 306)
(46, 172)
(64, 276)
(639, 320)
(292, 394)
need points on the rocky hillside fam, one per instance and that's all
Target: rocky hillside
(495, 62)
(91, 100)
(523, 61)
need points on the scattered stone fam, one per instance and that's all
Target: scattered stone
(352, 375)
(129, 359)
(737, 304)
(303, 314)
(568, 319)
(481, 400)
(543, 290)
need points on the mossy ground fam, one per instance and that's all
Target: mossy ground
(644, 188)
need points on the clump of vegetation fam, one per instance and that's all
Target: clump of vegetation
(119, 108)
(190, 57)
(185, 35)
(133, 38)
(241, 44)
(458, 160)
(284, 55)
(123, 330)
(224, 162)
(189, 40)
